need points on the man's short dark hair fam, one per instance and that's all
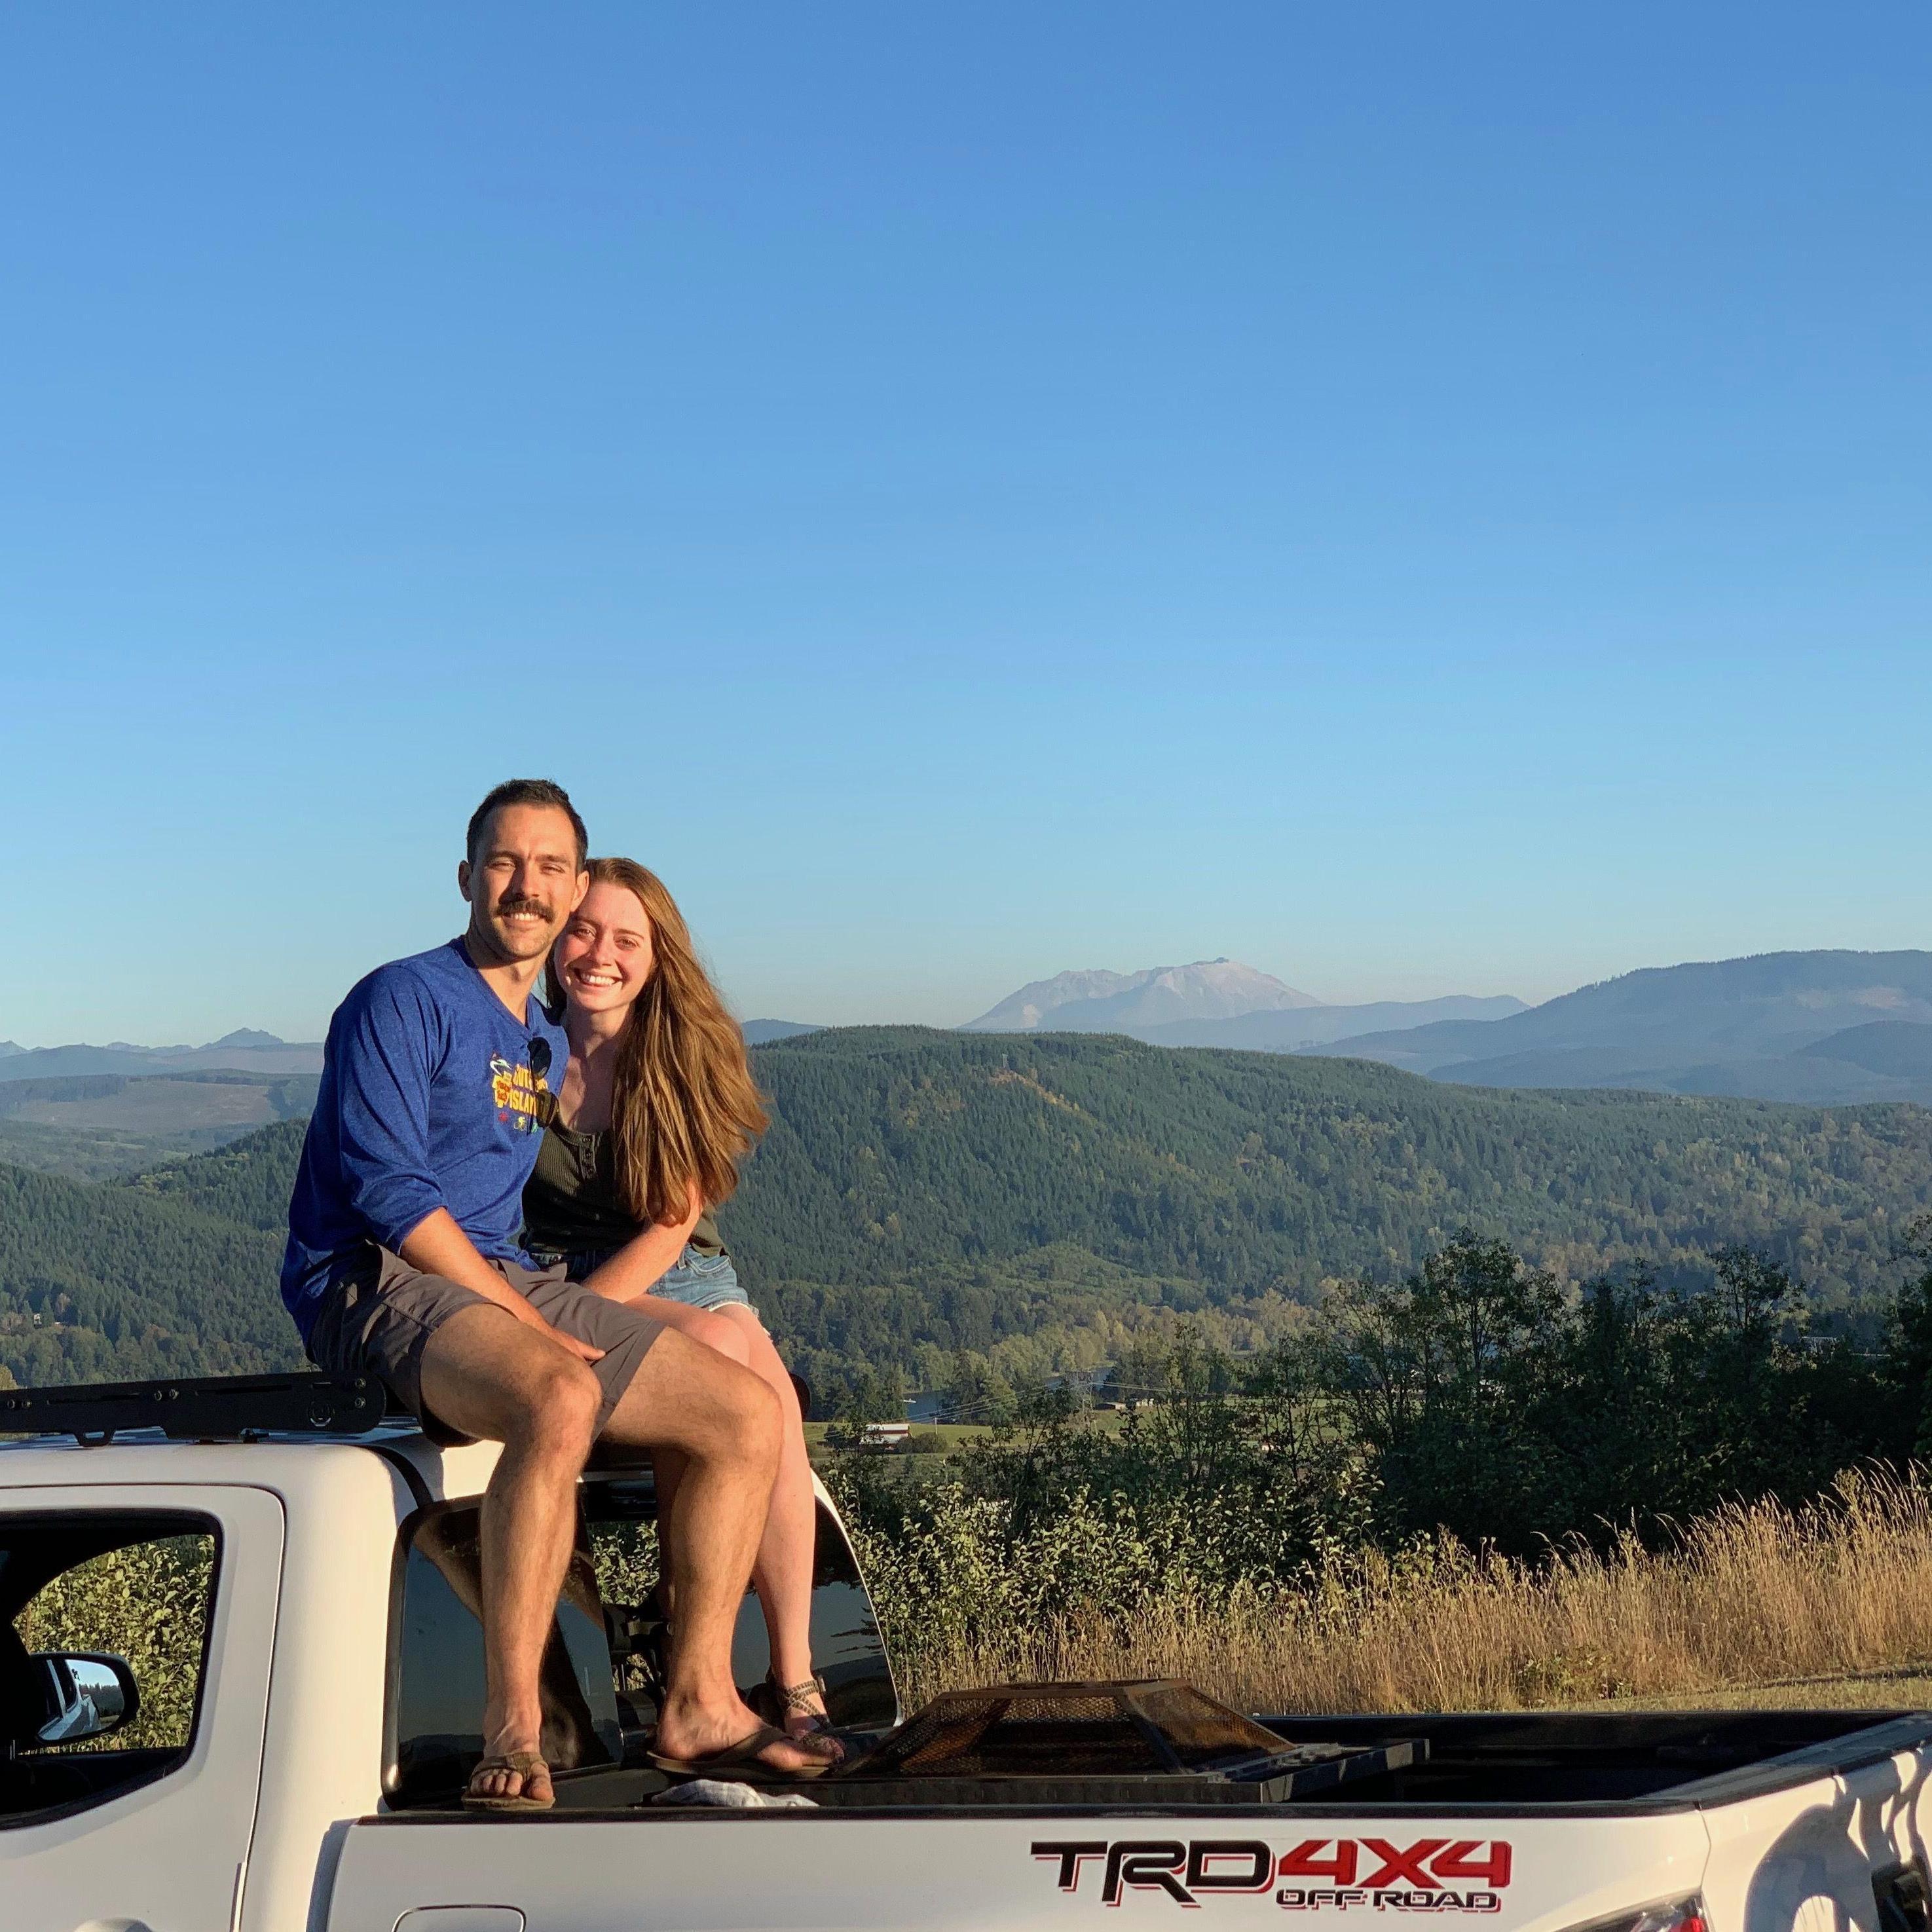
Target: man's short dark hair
(528, 791)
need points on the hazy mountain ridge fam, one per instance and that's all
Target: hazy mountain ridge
(1287, 1032)
(1758, 1026)
(247, 1050)
(1899, 1049)
(168, 1103)
(1825, 1028)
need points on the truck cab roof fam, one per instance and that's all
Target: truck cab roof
(287, 1464)
(263, 1430)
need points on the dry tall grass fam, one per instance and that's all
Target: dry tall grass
(1748, 1596)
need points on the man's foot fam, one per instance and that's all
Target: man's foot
(698, 1742)
(517, 1780)
(751, 1756)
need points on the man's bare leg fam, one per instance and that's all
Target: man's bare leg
(487, 1374)
(724, 1422)
(782, 1572)
(701, 1324)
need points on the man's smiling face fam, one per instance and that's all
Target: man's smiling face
(523, 881)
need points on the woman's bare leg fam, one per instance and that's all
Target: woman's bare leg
(782, 1574)
(667, 1468)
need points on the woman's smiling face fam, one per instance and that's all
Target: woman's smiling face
(604, 957)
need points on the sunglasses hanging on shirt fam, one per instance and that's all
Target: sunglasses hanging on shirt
(540, 1059)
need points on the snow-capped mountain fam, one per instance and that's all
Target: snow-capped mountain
(1097, 1001)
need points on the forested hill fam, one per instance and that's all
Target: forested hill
(1035, 1198)
(101, 1282)
(892, 1148)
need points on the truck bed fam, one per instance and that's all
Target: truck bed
(1544, 1763)
(1554, 1761)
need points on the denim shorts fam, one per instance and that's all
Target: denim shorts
(702, 1281)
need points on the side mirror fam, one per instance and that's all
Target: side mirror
(85, 1693)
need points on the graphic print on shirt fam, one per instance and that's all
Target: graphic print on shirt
(521, 1096)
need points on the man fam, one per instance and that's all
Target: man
(402, 1263)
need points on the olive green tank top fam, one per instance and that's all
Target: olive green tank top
(571, 1205)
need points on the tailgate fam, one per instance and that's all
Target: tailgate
(795, 1871)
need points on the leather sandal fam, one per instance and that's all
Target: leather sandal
(525, 1765)
(779, 1702)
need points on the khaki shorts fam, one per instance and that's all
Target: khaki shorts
(378, 1320)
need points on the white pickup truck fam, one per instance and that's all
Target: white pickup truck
(295, 1578)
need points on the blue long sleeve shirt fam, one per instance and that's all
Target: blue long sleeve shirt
(429, 1099)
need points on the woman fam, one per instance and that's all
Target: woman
(655, 1110)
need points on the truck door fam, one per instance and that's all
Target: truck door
(145, 1825)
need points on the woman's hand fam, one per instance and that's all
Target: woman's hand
(642, 1262)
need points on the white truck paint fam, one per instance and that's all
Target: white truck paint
(287, 1812)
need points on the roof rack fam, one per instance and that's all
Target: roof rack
(215, 1408)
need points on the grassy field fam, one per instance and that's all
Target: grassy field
(1908, 1688)
(98, 1152)
(1829, 1605)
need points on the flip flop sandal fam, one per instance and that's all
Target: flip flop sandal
(526, 1765)
(743, 1759)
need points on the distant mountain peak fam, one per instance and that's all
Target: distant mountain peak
(248, 1037)
(10, 1047)
(1095, 1000)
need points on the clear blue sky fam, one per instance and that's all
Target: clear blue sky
(1418, 498)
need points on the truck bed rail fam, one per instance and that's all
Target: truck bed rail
(215, 1408)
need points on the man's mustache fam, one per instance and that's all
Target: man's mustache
(522, 902)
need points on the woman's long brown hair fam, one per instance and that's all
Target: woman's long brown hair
(684, 1108)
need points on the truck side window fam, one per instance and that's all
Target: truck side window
(137, 1586)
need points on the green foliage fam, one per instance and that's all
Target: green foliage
(147, 1603)
(249, 1180)
(911, 1179)
(1474, 1399)
(893, 1149)
(1907, 1354)
(1474, 1404)
(107, 1283)
(877, 1396)
(1493, 1405)
(1221, 1483)
(625, 1558)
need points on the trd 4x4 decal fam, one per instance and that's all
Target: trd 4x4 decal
(1372, 1873)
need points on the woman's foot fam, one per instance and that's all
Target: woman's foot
(799, 1709)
